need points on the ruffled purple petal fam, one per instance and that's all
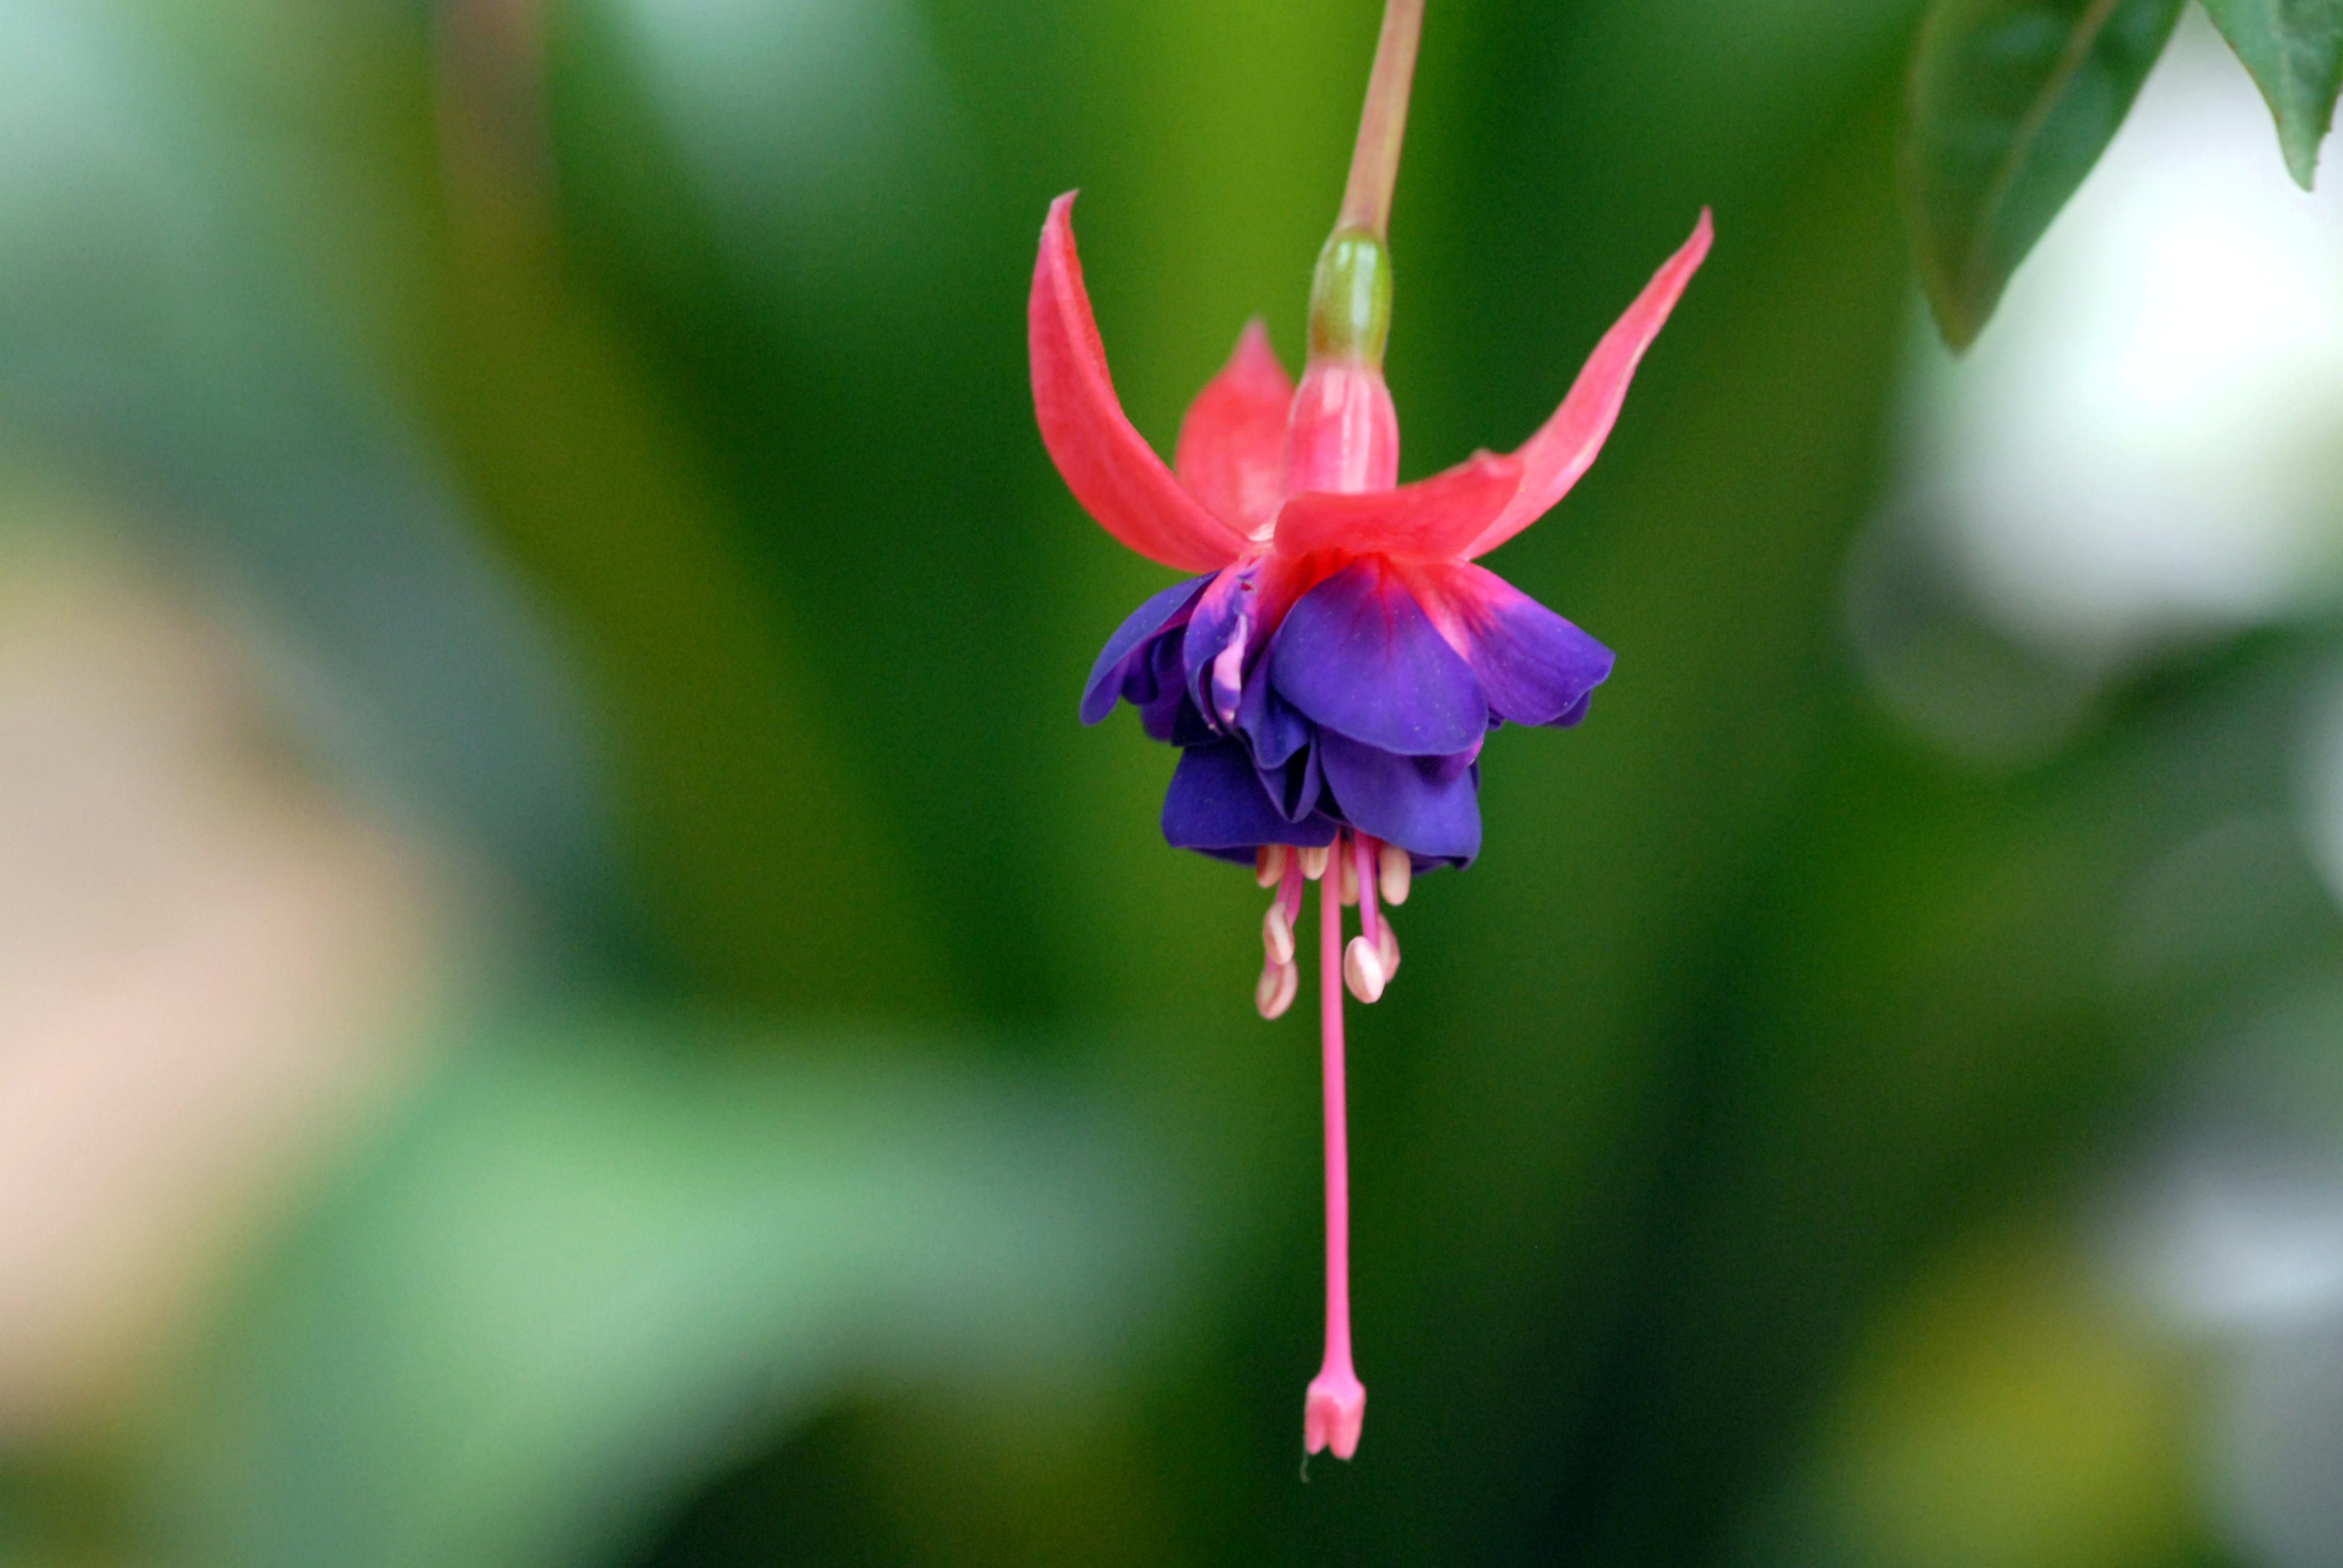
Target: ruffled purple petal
(1166, 715)
(1125, 667)
(1272, 726)
(1535, 667)
(1358, 655)
(1429, 806)
(1297, 785)
(1220, 804)
(1222, 635)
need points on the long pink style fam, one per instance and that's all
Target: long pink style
(1342, 443)
(1336, 1405)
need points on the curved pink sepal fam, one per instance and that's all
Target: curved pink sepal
(1432, 519)
(1109, 467)
(1232, 451)
(1563, 448)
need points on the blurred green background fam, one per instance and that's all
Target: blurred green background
(571, 991)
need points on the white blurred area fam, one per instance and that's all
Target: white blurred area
(2143, 455)
(2232, 1235)
(2144, 450)
(2147, 443)
(209, 968)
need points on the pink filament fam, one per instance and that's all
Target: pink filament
(1336, 1403)
(1363, 856)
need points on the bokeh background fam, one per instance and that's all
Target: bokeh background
(571, 991)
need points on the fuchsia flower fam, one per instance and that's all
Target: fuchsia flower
(1330, 675)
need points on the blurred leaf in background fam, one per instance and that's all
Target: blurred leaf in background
(2294, 50)
(2013, 101)
(579, 1275)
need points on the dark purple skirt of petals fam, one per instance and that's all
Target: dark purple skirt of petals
(1220, 804)
(1430, 806)
(1357, 713)
(1127, 667)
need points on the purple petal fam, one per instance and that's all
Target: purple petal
(1164, 711)
(1220, 637)
(1174, 719)
(1218, 803)
(1272, 726)
(1536, 667)
(1358, 655)
(1429, 806)
(1123, 658)
(1297, 785)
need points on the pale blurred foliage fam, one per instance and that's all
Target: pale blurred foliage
(2011, 1412)
(209, 965)
(2147, 442)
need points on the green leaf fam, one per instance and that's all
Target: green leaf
(2012, 102)
(585, 1273)
(2293, 49)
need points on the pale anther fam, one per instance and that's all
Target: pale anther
(1363, 970)
(1312, 858)
(1275, 993)
(1269, 864)
(1397, 872)
(1277, 934)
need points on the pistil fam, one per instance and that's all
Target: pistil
(1336, 1405)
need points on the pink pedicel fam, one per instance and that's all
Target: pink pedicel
(1336, 1405)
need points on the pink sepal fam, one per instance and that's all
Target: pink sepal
(1563, 448)
(1432, 519)
(1232, 451)
(1109, 467)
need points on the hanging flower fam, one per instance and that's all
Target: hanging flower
(1330, 677)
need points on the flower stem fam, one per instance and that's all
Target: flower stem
(1336, 1403)
(1374, 162)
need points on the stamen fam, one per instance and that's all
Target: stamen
(1336, 1405)
(1364, 970)
(1398, 871)
(1279, 982)
(1281, 979)
(1350, 881)
(1313, 860)
(1269, 864)
(1277, 933)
